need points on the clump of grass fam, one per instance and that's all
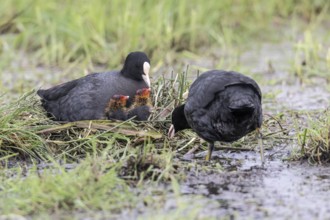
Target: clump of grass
(91, 188)
(17, 120)
(315, 139)
(92, 185)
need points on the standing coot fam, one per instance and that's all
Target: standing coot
(86, 98)
(221, 106)
(116, 108)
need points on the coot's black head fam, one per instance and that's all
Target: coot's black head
(137, 66)
(179, 121)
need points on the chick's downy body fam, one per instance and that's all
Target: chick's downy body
(141, 108)
(116, 108)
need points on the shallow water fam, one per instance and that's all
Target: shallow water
(243, 189)
(279, 190)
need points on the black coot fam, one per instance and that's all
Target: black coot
(221, 106)
(116, 108)
(141, 108)
(86, 98)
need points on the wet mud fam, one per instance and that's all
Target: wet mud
(277, 190)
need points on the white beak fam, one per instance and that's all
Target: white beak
(171, 132)
(146, 68)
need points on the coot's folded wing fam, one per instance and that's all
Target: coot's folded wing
(205, 87)
(58, 91)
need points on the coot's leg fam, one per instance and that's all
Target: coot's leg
(209, 153)
(259, 134)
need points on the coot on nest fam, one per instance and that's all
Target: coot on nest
(221, 106)
(141, 108)
(86, 98)
(116, 108)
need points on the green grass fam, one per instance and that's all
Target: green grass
(89, 186)
(91, 189)
(16, 120)
(314, 139)
(57, 32)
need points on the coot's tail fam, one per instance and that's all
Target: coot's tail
(49, 106)
(242, 106)
(242, 109)
(41, 93)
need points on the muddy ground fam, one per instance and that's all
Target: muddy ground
(280, 190)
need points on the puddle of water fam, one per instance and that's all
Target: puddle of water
(297, 97)
(280, 190)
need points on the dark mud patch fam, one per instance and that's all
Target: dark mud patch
(278, 190)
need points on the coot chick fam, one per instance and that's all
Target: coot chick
(221, 106)
(86, 98)
(116, 108)
(141, 108)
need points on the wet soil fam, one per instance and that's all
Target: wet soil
(236, 186)
(278, 190)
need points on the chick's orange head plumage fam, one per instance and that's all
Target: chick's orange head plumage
(145, 92)
(122, 99)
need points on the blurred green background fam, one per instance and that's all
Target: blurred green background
(54, 41)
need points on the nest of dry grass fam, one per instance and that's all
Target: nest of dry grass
(26, 133)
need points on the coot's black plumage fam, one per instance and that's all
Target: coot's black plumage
(86, 98)
(116, 108)
(221, 106)
(141, 108)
